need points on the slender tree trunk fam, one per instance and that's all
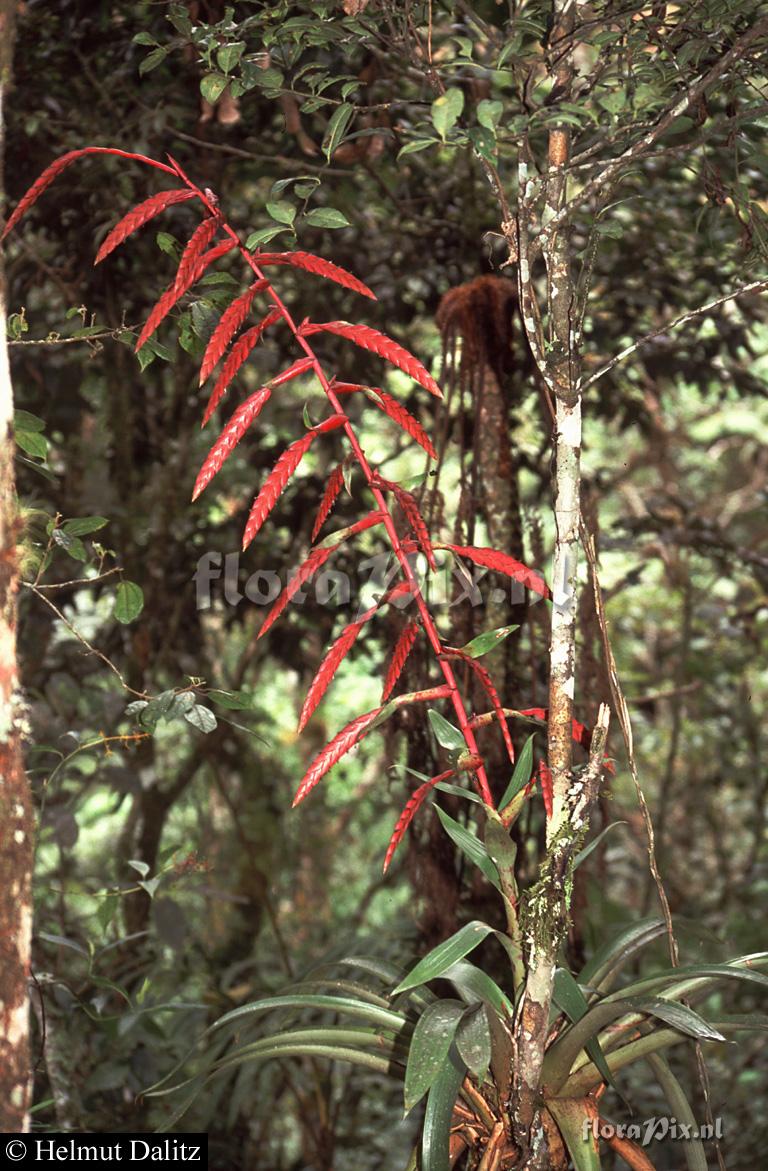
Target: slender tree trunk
(546, 910)
(16, 823)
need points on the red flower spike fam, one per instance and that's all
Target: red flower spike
(196, 246)
(391, 407)
(237, 355)
(330, 665)
(377, 343)
(312, 563)
(229, 438)
(315, 264)
(175, 292)
(502, 563)
(299, 367)
(229, 323)
(490, 690)
(140, 215)
(400, 654)
(545, 780)
(410, 811)
(332, 490)
(58, 165)
(274, 485)
(412, 514)
(342, 743)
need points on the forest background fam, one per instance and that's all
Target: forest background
(172, 879)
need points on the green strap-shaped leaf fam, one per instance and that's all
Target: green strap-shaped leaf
(607, 962)
(574, 1121)
(522, 774)
(435, 1136)
(473, 1040)
(473, 984)
(696, 976)
(342, 1004)
(693, 1148)
(432, 1038)
(441, 957)
(470, 845)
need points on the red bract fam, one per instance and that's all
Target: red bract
(400, 654)
(545, 780)
(311, 263)
(237, 355)
(503, 563)
(175, 292)
(341, 744)
(410, 811)
(377, 343)
(229, 323)
(54, 170)
(139, 216)
(196, 246)
(412, 514)
(274, 485)
(330, 665)
(229, 438)
(332, 490)
(490, 690)
(390, 406)
(315, 561)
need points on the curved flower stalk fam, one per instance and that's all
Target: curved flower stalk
(228, 349)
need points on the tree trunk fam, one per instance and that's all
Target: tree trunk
(16, 822)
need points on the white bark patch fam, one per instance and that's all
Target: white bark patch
(570, 426)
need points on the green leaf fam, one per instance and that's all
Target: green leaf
(584, 854)
(23, 421)
(445, 734)
(81, 526)
(437, 1118)
(144, 39)
(484, 142)
(457, 791)
(522, 774)
(33, 443)
(473, 1041)
(337, 125)
(152, 60)
(473, 984)
(107, 911)
(574, 1121)
(569, 997)
(487, 641)
(693, 1148)
(168, 244)
(470, 845)
(263, 236)
(201, 718)
(417, 144)
(129, 601)
(606, 963)
(229, 55)
(489, 113)
(446, 110)
(212, 87)
(431, 1040)
(141, 868)
(235, 701)
(679, 1016)
(445, 954)
(341, 1004)
(326, 217)
(282, 211)
(72, 545)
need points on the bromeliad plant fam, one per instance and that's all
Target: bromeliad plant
(461, 1051)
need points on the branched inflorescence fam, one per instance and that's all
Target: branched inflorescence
(228, 349)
